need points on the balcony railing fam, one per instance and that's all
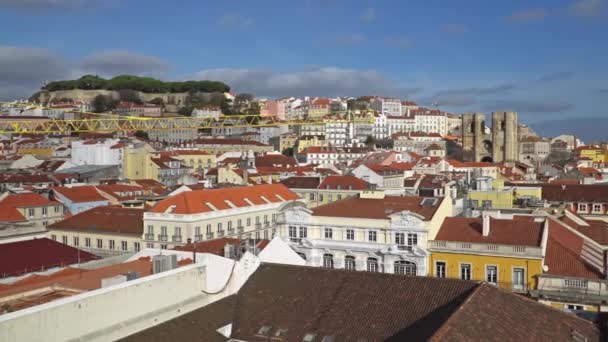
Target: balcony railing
(209, 236)
(149, 237)
(176, 238)
(220, 233)
(240, 229)
(198, 237)
(481, 248)
(258, 226)
(266, 224)
(163, 237)
(571, 289)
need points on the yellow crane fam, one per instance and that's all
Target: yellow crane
(104, 122)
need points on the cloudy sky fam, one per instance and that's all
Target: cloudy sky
(547, 59)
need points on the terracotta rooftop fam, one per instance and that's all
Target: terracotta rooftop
(9, 205)
(214, 246)
(273, 160)
(307, 182)
(575, 193)
(380, 209)
(22, 257)
(520, 231)
(344, 183)
(192, 202)
(106, 219)
(80, 194)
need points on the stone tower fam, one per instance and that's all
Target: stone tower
(476, 144)
(505, 137)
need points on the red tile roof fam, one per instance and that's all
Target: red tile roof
(185, 153)
(106, 219)
(563, 254)
(575, 193)
(38, 255)
(218, 141)
(344, 183)
(192, 202)
(80, 194)
(520, 231)
(9, 205)
(273, 160)
(380, 209)
(215, 246)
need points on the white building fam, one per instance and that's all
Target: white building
(96, 152)
(432, 122)
(388, 106)
(199, 112)
(380, 127)
(372, 232)
(239, 212)
(320, 155)
(400, 124)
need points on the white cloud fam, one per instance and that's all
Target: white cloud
(369, 15)
(586, 8)
(317, 81)
(116, 62)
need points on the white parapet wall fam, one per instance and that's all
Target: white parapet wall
(114, 312)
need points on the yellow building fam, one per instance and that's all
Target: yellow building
(598, 155)
(38, 152)
(317, 191)
(491, 193)
(505, 251)
(287, 140)
(309, 141)
(195, 159)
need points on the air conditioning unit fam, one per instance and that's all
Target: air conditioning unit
(163, 263)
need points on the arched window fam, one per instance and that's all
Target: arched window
(372, 265)
(405, 267)
(328, 261)
(349, 263)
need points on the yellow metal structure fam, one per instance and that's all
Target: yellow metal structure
(96, 122)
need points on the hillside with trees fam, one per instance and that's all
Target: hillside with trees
(136, 83)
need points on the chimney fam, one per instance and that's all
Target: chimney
(485, 217)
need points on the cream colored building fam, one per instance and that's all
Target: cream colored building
(371, 232)
(248, 212)
(105, 230)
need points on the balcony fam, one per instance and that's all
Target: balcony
(220, 233)
(209, 236)
(198, 237)
(575, 290)
(149, 237)
(266, 224)
(163, 237)
(240, 229)
(230, 231)
(258, 226)
(176, 238)
(485, 249)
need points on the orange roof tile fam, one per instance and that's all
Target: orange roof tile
(80, 194)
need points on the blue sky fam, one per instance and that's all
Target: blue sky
(547, 60)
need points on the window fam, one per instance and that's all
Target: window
(412, 239)
(597, 208)
(123, 245)
(320, 197)
(265, 235)
(312, 197)
(349, 263)
(339, 197)
(350, 234)
(440, 269)
(303, 232)
(111, 244)
(328, 261)
(54, 237)
(151, 229)
(372, 236)
(248, 221)
(486, 204)
(293, 232)
(574, 307)
(465, 271)
(257, 220)
(405, 267)
(208, 229)
(99, 243)
(149, 245)
(76, 241)
(45, 211)
(219, 227)
(519, 278)
(136, 246)
(400, 238)
(492, 274)
(163, 246)
(582, 207)
(30, 212)
(328, 233)
(178, 231)
(197, 231)
(56, 209)
(163, 231)
(64, 240)
(372, 265)
(330, 197)
(239, 223)
(265, 218)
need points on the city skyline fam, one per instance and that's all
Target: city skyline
(543, 61)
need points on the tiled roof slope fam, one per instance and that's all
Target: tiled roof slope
(38, 255)
(80, 194)
(356, 207)
(344, 183)
(198, 325)
(106, 219)
(301, 182)
(417, 309)
(9, 205)
(420, 303)
(193, 202)
(575, 193)
(490, 314)
(520, 231)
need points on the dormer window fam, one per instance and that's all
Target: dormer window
(170, 209)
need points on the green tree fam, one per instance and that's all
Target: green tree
(370, 141)
(129, 95)
(288, 152)
(102, 103)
